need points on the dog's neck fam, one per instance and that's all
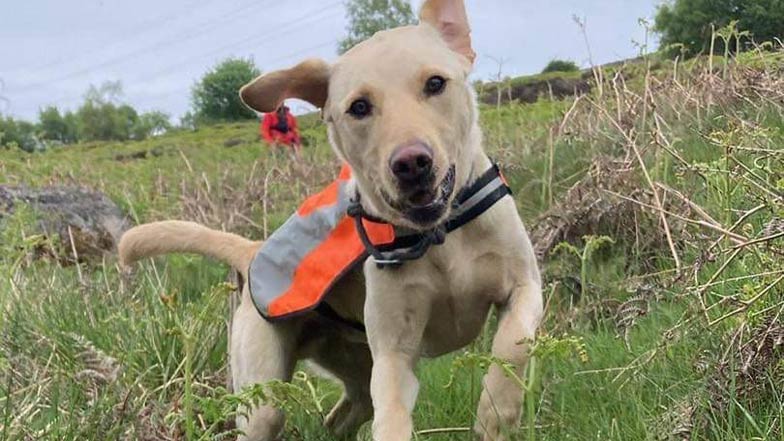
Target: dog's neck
(481, 192)
(474, 161)
(478, 165)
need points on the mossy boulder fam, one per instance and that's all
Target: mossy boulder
(80, 219)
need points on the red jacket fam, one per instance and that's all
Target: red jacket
(272, 136)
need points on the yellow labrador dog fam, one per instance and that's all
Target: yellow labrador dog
(401, 112)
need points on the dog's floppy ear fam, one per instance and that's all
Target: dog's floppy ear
(451, 20)
(307, 81)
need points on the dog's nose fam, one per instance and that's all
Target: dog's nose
(412, 162)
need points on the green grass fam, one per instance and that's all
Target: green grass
(630, 351)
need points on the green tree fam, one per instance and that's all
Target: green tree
(216, 96)
(17, 133)
(366, 17)
(55, 126)
(107, 92)
(103, 117)
(3, 100)
(151, 124)
(561, 66)
(688, 22)
(106, 121)
(188, 121)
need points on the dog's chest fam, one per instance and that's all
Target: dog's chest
(460, 309)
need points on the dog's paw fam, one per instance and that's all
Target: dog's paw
(490, 433)
(487, 431)
(494, 424)
(347, 416)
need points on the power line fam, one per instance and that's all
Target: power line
(296, 22)
(194, 32)
(275, 34)
(149, 24)
(160, 97)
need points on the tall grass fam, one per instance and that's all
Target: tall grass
(668, 331)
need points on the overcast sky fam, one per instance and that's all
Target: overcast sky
(52, 50)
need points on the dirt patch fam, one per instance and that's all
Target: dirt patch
(233, 142)
(143, 154)
(531, 92)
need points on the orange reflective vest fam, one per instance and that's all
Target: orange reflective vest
(321, 242)
(304, 258)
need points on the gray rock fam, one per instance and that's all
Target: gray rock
(94, 221)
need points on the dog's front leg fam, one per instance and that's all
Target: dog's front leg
(502, 398)
(396, 314)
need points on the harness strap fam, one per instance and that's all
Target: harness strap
(469, 204)
(478, 197)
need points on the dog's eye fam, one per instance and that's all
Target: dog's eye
(435, 85)
(360, 108)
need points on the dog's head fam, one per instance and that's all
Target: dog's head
(399, 111)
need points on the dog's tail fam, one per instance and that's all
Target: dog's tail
(165, 237)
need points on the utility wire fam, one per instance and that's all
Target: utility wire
(163, 96)
(160, 97)
(179, 90)
(194, 32)
(132, 34)
(276, 34)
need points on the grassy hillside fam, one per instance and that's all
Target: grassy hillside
(656, 201)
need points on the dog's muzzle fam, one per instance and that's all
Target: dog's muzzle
(436, 206)
(469, 203)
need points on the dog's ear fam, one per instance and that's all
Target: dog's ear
(307, 81)
(451, 20)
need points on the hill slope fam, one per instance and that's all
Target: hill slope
(663, 302)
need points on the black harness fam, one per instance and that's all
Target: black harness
(470, 202)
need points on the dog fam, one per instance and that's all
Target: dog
(400, 111)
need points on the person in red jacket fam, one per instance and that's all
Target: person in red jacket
(280, 127)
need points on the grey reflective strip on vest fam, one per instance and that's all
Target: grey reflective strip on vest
(272, 270)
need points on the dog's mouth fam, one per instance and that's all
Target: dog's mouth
(426, 206)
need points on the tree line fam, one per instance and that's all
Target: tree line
(103, 116)
(685, 25)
